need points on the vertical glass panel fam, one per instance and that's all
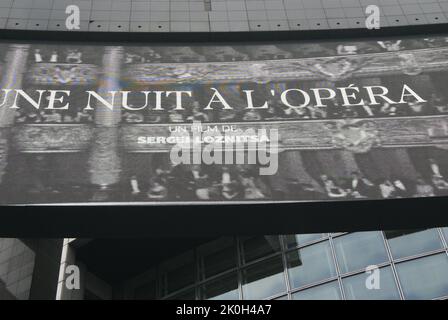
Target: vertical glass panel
(310, 264)
(424, 278)
(404, 243)
(186, 295)
(146, 291)
(258, 247)
(178, 273)
(223, 288)
(90, 296)
(356, 251)
(445, 232)
(217, 256)
(263, 279)
(356, 287)
(329, 291)
(295, 240)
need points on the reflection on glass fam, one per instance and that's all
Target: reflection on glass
(146, 291)
(355, 287)
(329, 291)
(310, 264)
(263, 279)
(258, 247)
(217, 256)
(445, 232)
(295, 240)
(356, 251)
(223, 288)
(186, 295)
(178, 273)
(404, 243)
(424, 278)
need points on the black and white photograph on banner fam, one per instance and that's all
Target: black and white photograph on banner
(224, 159)
(224, 123)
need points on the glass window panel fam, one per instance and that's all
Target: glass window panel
(310, 264)
(223, 288)
(178, 273)
(258, 247)
(356, 289)
(445, 232)
(186, 295)
(146, 291)
(263, 279)
(358, 250)
(404, 243)
(217, 257)
(90, 296)
(424, 278)
(295, 240)
(329, 291)
(281, 298)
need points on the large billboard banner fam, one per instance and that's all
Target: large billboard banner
(223, 123)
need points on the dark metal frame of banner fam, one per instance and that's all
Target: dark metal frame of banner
(197, 220)
(101, 221)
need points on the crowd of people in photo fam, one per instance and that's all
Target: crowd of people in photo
(53, 116)
(334, 109)
(242, 182)
(359, 187)
(278, 111)
(48, 181)
(62, 54)
(179, 54)
(196, 182)
(209, 53)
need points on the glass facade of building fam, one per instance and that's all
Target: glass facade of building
(413, 264)
(29, 268)
(16, 269)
